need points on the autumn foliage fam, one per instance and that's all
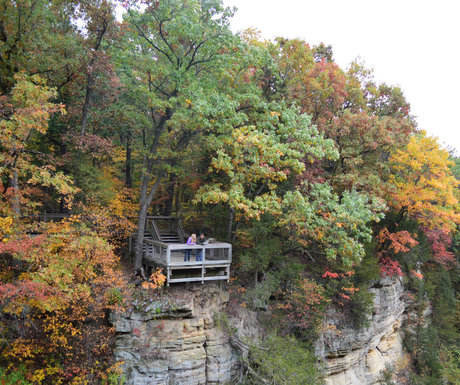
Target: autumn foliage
(423, 184)
(54, 298)
(317, 174)
(390, 245)
(305, 307)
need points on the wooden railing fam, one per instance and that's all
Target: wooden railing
(190, 263)
(173, 254)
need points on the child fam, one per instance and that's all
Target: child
(190, 241)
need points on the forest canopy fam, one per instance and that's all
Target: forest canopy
(317, 174)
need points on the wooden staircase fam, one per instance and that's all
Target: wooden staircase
(164, 229)
(164, 245)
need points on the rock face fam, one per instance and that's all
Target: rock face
(356, 357)
(176, 339)
(181, 338)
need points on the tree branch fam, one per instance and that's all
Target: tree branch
(160, 90)
(160, 29)
(141, 32)
(195, 51)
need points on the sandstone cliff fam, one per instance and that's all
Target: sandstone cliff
(356, 357)
(181, 339)
(177, 339)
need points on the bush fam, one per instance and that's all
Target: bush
(258, 297)
(362, 301)
(450, 359)
(282, 360)
(15, 377)
(54, 316)
(114, 296)
(361, 305)
(386, 376)
(304, 309)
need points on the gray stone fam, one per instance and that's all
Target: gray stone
(180, 339)
(175, 341)
(356, 357)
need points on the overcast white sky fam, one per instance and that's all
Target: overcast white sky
(413, 44)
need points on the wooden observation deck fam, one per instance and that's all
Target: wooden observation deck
(164, 245)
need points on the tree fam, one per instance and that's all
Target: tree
(38, 37)
(175, 52)
(328, 226)
(424, 187)
(366, 122)
(254, 161)
(26, 113)
(100, 22)
(282, 360)
(54, 297)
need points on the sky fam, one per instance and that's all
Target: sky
(413, 44)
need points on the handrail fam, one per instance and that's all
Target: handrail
(212, 266)
(160, 217)
(183, 246)
(177, 247)
(155, 228)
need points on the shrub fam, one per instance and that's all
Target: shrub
(282, 360)
(361, 305)
(386, 376)
(15, 377)
(304, 309)
(258, 297)
(450, 359)
(114, 296)
(53, 314)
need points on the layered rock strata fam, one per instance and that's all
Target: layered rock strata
(182, 338)
(176, 339)
(357, 357)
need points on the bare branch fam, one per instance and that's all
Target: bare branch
(158, 88)
(153, 44)
(191, 62)
(208, 60)
(192, 44)
(160, 29)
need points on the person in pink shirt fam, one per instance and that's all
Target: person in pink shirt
(190, 241)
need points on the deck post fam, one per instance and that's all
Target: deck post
(168, 262)
(203, 260)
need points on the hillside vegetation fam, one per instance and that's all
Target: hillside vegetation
(317, 174)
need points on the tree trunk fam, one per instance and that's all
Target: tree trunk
(16, 200)
(170, 192)
(128, 176)
(145, 201)
(85, 112)
(140, 237)
(90, 77)
(177, 202)
(230, 224)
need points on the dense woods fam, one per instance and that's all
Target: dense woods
(319, 176)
